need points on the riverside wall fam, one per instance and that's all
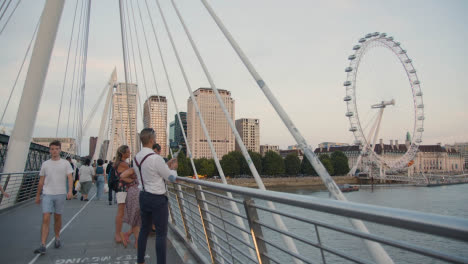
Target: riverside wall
(288, 181)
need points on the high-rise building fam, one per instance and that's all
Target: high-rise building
(171, 131)
(124, 117)
(265, 148)
(92, 146)
(216, 123)
(155, 116)
(104, 149)
(178, 136)
(249, 130)
(68, 144)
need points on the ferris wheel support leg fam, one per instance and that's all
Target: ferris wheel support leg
(18, 146)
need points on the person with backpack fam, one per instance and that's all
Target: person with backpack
(151, 171)
(100, 180)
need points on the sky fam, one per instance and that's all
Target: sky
(300, 49)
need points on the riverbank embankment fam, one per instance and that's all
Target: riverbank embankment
(288, 181)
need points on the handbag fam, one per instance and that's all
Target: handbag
(77, 186)
(106, 188)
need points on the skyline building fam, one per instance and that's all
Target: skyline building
(124, 117)
(265, 148)
(68, 144)
(155, 116)
(216, 123)
(249, 130)
(92, 146)
(171, 132)
(178, 136)
(462, 148)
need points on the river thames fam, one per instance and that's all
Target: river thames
(444, 200)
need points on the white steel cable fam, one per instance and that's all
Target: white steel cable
(66, 70)
(83, 76)
(9, 17)
(141, 63)
(205, 130)
(74, 68)
(124, 51)
(4, 10)
(158, 98)
(20, 70)
(376, 250)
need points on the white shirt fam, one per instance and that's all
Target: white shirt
(86, 173)
(155, 171)
(55, 173)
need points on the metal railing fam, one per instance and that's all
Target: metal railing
(21, 186)
(319, 227)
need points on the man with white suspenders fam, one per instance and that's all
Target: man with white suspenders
(152, 170)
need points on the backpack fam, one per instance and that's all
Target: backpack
(113, 180)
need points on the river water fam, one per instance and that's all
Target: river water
(444, 200)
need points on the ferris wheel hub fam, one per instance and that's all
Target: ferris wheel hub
(384, 104)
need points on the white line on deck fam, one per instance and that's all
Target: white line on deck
(63, 228)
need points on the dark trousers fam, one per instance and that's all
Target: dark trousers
(153, 210)
(110, 193)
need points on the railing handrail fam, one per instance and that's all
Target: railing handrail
(440, 225)
(24, 172)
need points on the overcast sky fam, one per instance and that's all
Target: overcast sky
(299, 47)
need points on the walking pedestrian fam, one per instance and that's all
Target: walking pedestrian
(86, 179)
(53, 175)
(151, 171)
(120, 165)
(100, 179)
(108, 173)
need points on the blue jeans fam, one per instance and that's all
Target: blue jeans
(153, 210)
(99, 186)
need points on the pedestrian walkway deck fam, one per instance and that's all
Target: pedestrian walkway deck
(87, 237)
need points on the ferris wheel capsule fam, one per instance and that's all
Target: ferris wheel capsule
(356, 47)
(375, 34)
(369, 35)
(390, 38)
(421, 118)
(353, 129)
(396, 44)
(416, 82)
(383, 35)
(408, 61)
(347, 83)
(420, 129)
(348, 69)
(420, 106)
(349, 114)
(419, 94)
(351, 57)
(412, 71)
(362, 40)
(347, 98)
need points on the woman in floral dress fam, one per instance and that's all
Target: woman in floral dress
(132, 207)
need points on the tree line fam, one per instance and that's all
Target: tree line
(272, 164)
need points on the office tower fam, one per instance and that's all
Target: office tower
(124, 117)
(155, 116)
(178, 136)
(216, 123)
(249, 130)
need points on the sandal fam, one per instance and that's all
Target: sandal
(124, 242)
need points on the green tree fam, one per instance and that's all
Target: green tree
(306, 167)
(292, 164)
(184, 165)
(327, 163)
(257, 161)
(340, 163)
(230, 165)
(205, 166)
(272, 163)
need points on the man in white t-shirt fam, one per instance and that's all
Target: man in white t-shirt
(52, 183)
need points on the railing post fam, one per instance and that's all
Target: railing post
(320, 243)
(256, 231)
(182, 212)
(170, 209)
(205, 223)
